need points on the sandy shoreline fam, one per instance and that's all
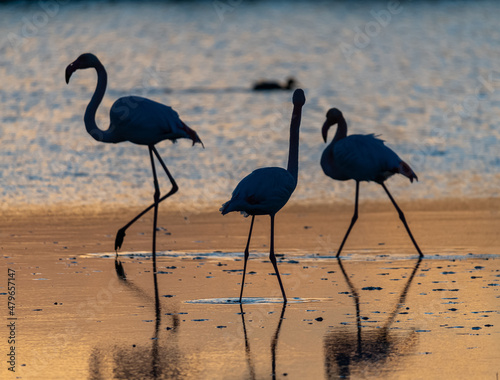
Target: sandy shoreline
(466, 226)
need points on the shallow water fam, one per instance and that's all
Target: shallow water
(391, 318)
(252, 300)
(426, 79)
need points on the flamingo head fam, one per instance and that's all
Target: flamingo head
(333, 116)
(298, 98)
(84, 61)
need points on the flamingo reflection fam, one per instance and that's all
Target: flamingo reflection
(274, 344)
(346, 352)
(137, 362)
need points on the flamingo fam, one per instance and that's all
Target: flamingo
(361, 158)
(273, 85)
(266, 190)
(140, 121)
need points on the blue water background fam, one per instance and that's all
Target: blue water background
(424, 75)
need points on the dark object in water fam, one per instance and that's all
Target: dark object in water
(273, 85)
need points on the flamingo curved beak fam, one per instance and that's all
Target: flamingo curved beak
(70, 70)
(324, 130)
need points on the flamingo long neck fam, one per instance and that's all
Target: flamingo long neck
(293, 153)
(327, 158)
(90, 112)
(341, 130)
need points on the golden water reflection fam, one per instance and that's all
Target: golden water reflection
(350, 352)
(427, 316)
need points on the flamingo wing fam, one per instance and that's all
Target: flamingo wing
(145, 122)
(365, 158)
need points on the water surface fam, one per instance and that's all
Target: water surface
(425, 79)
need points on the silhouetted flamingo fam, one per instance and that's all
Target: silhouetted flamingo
(361, 158)
(140, 121)
(265, 191)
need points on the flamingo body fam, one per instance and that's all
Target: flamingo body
(145, 122)
(362, 158)
(264, 191)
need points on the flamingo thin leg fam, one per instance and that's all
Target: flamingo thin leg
(156, 199)
(273, 259)
(403, 219)
(353, 220)
(120, 235)
(246, 257)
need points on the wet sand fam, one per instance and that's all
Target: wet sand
(377, 313)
